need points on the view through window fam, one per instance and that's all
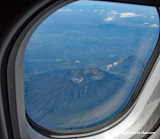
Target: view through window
(83, 62)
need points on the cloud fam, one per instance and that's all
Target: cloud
(111, 55)
(67, 10)
(64, 10)
(124, 15)
(96, 77)
(77, 61)
(59, 60)
(146, 23)
(109, 19)
(113, 12)
(111, 16)
(154, 25)
(115, 63)
(60, 10)
(112, 65)
(102, 11)
(109, 66)
(81, 10)
(152, 16)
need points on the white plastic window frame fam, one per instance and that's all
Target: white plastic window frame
(16, 90)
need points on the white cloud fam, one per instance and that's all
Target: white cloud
(154, 25)
(113, 12)
(67, 10)
(111, 55)
(96, 77)
(115, 63)
(111, 16)
(81, 10)
(112, 65)
(123, 15)
(109, 19)
(60, 10)
(152, 16)
(102, 11)
(77, 61)
(146, 23)
(59, 60)
(109, 66)
(64, 10)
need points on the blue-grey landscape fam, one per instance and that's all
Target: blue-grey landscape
(83, 62)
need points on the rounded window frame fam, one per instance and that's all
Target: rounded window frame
(15, 71)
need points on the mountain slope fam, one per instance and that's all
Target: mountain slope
(68, 90)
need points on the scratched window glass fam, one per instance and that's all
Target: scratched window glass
(83, 62)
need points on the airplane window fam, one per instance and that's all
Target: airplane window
(83, 63)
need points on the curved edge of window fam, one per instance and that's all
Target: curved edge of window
(16, 86)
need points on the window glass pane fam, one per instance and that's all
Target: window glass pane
(82, 64)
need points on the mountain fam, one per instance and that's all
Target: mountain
(63, 94)
(49, 94)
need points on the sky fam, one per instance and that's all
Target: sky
(115, 11)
